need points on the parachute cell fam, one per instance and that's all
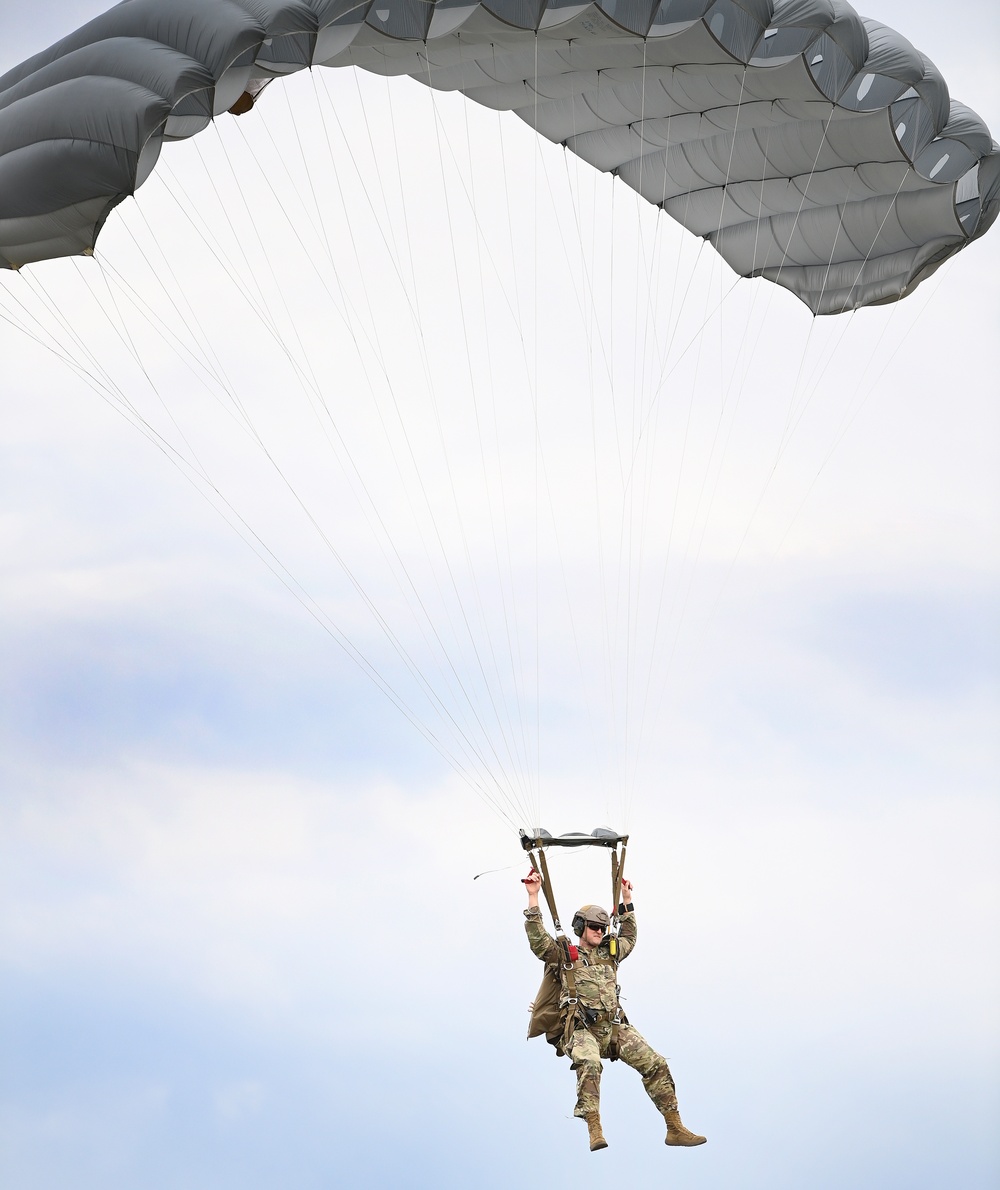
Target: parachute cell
(809, 146)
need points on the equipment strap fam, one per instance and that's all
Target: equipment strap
(567, 977)
(613, 1052)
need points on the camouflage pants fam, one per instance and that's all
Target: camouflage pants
(588, 1045)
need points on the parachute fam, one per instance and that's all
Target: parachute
(807, 145)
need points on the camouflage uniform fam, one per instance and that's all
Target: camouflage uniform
(597, 1002)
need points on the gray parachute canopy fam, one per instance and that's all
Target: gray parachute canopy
(807, 144)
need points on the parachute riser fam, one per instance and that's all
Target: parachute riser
(617, 868)
(599, 838)
(541, 866)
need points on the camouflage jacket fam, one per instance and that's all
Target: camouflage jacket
(596, 982)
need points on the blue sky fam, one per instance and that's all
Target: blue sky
(242, 945)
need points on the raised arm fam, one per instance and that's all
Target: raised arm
(629, 930)
(543, 945)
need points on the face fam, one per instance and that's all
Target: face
(592, 934)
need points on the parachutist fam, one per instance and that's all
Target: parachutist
(578, 1009)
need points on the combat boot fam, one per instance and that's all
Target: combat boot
(677, 1134)
(597, 1140)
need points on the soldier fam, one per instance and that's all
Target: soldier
(593, 1024)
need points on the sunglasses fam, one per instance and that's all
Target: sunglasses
(596, 925)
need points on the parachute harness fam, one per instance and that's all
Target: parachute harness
(535, 846)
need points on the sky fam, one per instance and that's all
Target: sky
(407, 366)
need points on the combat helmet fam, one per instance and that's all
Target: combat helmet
(589, 913)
